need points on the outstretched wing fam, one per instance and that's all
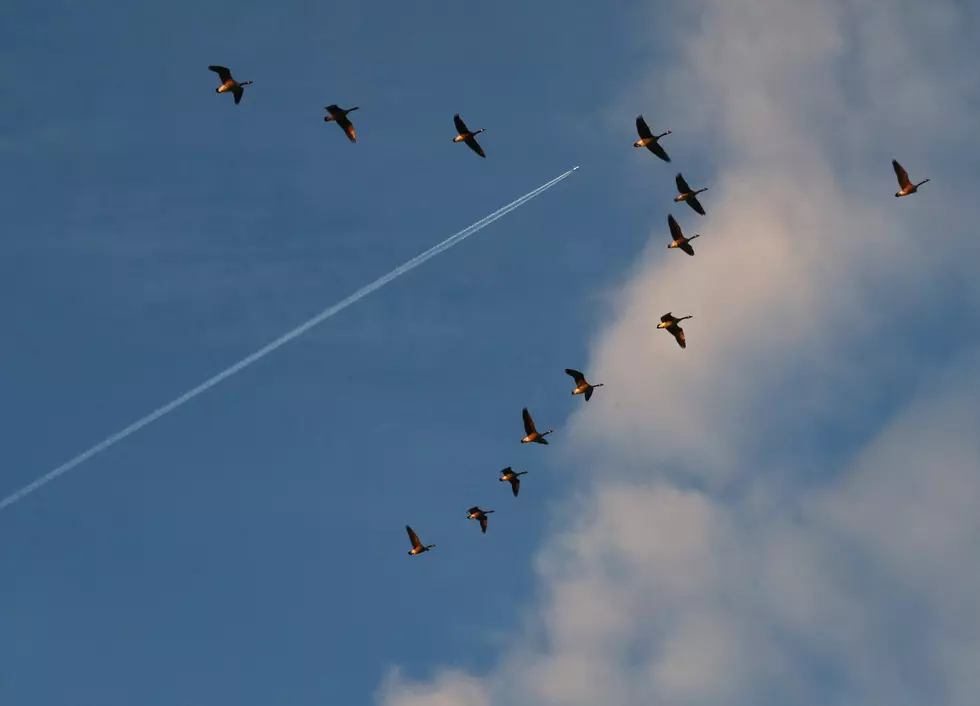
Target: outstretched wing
(414, 537)
(515, 485)
(666, 317)
(682, 186)
(238, 91)
(675, 229)
(686, 247)
(679, 335)
(460, 125)
(223, 73)
(505, 471)
(576, 375)
(333, 109)
(348, 126)
(642, 129)
(903, 176)
(483, 524)
(474, 145)
(588, 393)
(528, 422)
(695, 204)
(655, 147)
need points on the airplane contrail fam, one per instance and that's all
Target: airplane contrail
(281, 341)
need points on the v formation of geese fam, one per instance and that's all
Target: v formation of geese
(678, 241)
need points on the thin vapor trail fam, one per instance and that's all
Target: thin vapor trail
(281, 341)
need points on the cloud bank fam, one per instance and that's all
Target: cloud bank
(785, 512)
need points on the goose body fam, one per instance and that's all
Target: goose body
(339, 116)
(228, 83)
(475, 513)
(677, 237)
(649, 140)
(670, 322)
(467, 136)
(907, 187)
(417, 546)
(582, 386)
(533, 435)
(513, 478)
(685, 193)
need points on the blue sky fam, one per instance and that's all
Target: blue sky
(251, 546)
(712, 527)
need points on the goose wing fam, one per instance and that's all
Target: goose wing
(505, 471)
(515, 485)
(460, 125)
(642, 129)
(223, 73)
(474, 145)
(695, 204)
(528, 422)
(675, 229)
(238, 91)
(333, 109)
(679, 335)
(413, 537)
(667, 317)
(682, 187)
(588, 393)
(576, 375)
(475, 508)
(686, 247)
(903, 176)
(654, 146)
(348, 127)
(483, 523)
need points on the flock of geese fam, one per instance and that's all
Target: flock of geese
(679, 241)
(509, 475)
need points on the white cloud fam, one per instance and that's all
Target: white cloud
(707, 568)
(449, 688)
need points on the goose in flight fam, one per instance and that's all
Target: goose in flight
(228, 83)
(669, 322)
(417, 547)
(686, 194)
(582, 386)
(475, 513)
(339, 116)
(513, 478)
(649, 140)
(532, 433)
(903, 180)
(677, 237)
(466, 136)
